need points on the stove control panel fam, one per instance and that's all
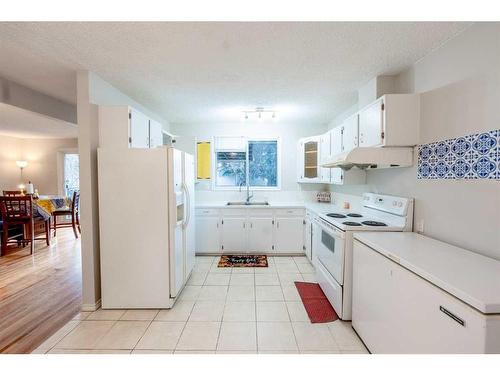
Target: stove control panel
(387, 203)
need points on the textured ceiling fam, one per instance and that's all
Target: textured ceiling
(16, 122)
(207, 72)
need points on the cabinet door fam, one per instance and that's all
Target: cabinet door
(155, 134)
(324, 173)
(289, 235)
(260, 234)
(371, 125)
(350, 133)
(234, 238)
(300, 161)
(139, 129)
(336, 140)
(337, 176)
(311, 160)
(207, 235)
(308, 239)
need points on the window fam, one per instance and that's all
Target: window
(238, 159)
(71, 174)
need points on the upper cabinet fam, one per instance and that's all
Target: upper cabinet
(349, 130)
(126, 127)
(309, 158)
(391, 120)
(336, 140)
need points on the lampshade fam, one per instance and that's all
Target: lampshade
(22, 163)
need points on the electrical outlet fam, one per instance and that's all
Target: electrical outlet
(420, 226)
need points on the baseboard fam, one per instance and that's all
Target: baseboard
(91, 306)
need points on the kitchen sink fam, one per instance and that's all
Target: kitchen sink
(247, 203)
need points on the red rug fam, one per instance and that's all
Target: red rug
(315, 302)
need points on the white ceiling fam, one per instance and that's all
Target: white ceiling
(208, 72)
(17, 122)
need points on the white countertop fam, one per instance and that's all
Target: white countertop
(223, 204)
(470, 277)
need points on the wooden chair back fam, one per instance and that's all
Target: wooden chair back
(12, 193)
(16, 208)
(75, 203)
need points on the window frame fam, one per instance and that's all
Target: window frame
(247, 166)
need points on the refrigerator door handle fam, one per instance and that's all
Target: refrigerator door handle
(187, 207)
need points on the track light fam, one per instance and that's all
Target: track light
(260, 114)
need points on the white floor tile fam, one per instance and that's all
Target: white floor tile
(217, 279)
(267, 279)
(275, 336)
(332, 351)
(161, 335)
(202, 267)
(359, 351)
(272, 311)
(88, 351)
(239, 311)
(151, 351)
(207, 311)
(296, 351)
(305, 268)
(106, 315)
(345, 336)
(290, 293)
(287, 267)
(241, 293)
(242, 279)
(236, 352)
(85, 335)
(197, 278)
(313, 336)
(283, 260)
(146, 315)
(190, 293)
(179, 313)
(266, 270)
(244, 270)
(205, 259)
(82, 315)
(310, 277)
(268, 293)
(288, 278)
(194, 352)
(237, 336)
(123, 335)
(212, 292)
(297, 311)
(199, 336)
(301, 260)
(58, 336)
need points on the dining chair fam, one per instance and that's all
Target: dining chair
(18, 211)
(12, 193)
(73, 211)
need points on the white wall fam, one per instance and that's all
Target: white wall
(289, 135)
(460, 87)
(41, 154)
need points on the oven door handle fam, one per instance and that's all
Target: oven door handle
(336, 232)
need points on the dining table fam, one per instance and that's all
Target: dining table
(45, 205)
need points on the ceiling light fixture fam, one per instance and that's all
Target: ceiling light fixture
(260, 114)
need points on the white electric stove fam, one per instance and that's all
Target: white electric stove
(333, 242)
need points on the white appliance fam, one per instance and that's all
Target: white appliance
(333, 242)
(146, 224)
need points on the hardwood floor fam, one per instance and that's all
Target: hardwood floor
(39, 293)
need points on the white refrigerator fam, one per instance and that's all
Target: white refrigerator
(146, 226)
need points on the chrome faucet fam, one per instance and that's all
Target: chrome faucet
(248, 192)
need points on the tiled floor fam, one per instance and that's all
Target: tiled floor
(221, 310)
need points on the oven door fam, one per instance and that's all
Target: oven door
(330, 254)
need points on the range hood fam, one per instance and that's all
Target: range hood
(372, 157)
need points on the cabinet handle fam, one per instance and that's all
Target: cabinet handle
(277, 224)
(243, 225)
(452, 316)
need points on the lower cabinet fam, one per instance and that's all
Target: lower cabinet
(234, 234)
(396, 311)
(207, 234)
(253, 230)
(260, 234)
(289, 235)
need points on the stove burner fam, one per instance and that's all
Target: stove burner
(351, 223)
(374, 223)
(336, 216)
(354, 215)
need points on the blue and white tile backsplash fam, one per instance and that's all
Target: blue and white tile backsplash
(471, 157)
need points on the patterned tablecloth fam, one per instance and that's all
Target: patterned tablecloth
(44, 206)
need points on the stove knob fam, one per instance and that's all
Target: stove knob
(400, 204)
(394, 203)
